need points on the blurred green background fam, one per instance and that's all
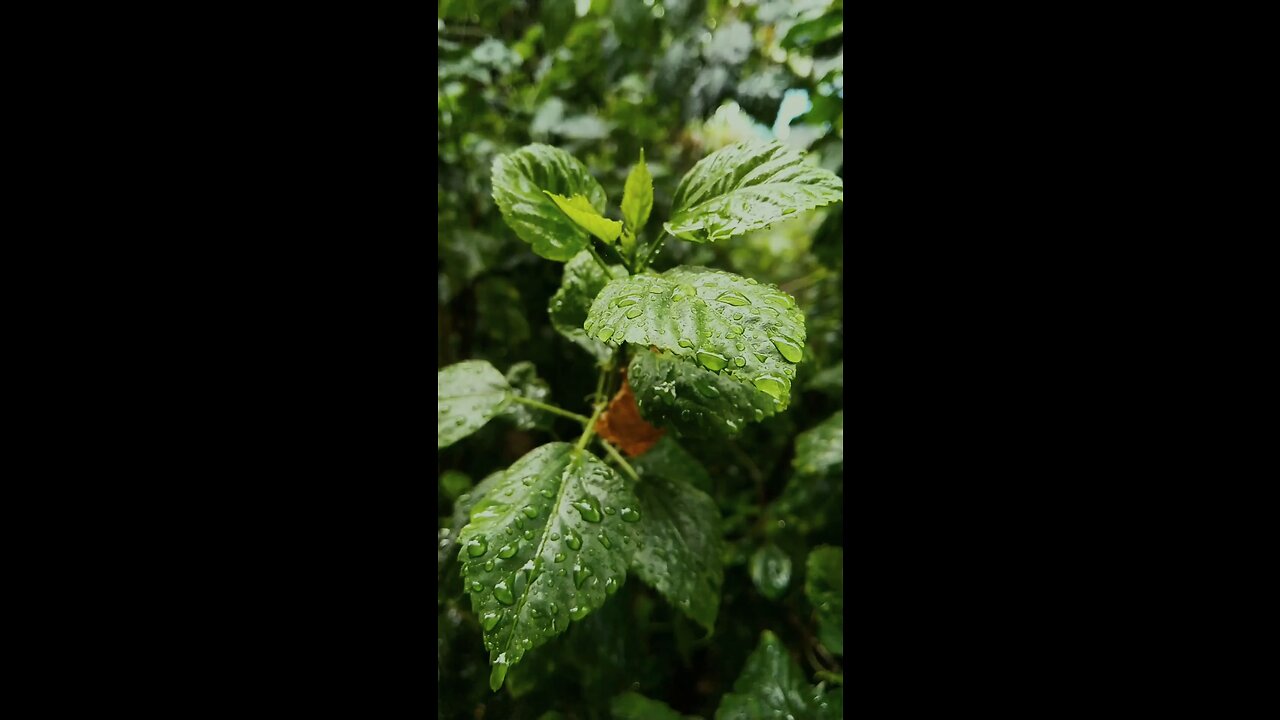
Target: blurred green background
(603, 79)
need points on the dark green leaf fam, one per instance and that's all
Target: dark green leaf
(634, 706)
(811, 32)
(675, 393)
(524, 381)
(824, 585)
(726, 323)
(771, 571)
(829, 381)
(526, 578)
(583, 280)
(668, 459)
(820, 450)
(681, 557)
(773, 686)
(745, 187)
(468, 395)
(454, 483)
(519, 180)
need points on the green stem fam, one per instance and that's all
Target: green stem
(653, 250)
(603, 265)
(550, 408)
(591, 427)
(620, 460)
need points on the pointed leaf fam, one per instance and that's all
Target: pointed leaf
(695, 402)
(745, 187)
(634, 706)
(721, 321)
(772, 685)
(583, 280)
(681, 557)
(468, 395)
(824, 586)
(579, 210)
(820, 450)
(519, 179)
(771, 571)
(543, 548)
(637, 197)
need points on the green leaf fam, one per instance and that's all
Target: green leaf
(697, 403)
(824, 586)
(745, 187)
(583, 280)
(771, 571)
(773, 686)
(637, 197)
(813, 32)
(468, 395)
(668, 459)
(461, 516)
(724, 322)
(454, 483)
(519, 181)
(524, 381)
(820, 450)
(543, 548)
(579, 210)
(829, 381)
(634, 706)
(681, 557)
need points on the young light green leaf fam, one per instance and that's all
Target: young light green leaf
(637, 197)
(545, 547)
(634, 706)
(726, 323)
(773, 686)
(745, 187)
(824, 586)
(583, 280)
(519, 180)
(820, 449)
(524, 381)
(693, 401)
(468, 395)
(771, 571)
(579, 210)
(682, 546)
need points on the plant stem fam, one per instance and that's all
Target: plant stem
(600, 260)
(591, 427)
(653, 250)
(620, 460)
(550, 408)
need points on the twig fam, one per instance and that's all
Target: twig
(550, 408)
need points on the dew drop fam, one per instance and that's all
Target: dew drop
(740, 361)
(634, 313)
(605, 333)
(527, 481)
(519, 523)
(706, 389)
(559, 557)
(630, 515)
(627, 301)
(759, 414)
(555, 610)
(770, 384)
(611, 586)
(580, 574)
(604, 540)
(530, 511)
(477, 586)
(555, 536)
(589, 509)
(711, 361)
(490, 620)
(528, 534)
(502, 592)
(656, 289)
(685, 343)
(730, 297)
(788, 347)
(477, 546)
(511, 530)
(577, 613)
(488, 565)
(574, 540)
(546, 493)
(608, 510)
(506, 551)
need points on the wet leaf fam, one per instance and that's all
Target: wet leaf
(824, 586)
(519, 181)
(773, 686)
(583, 280)
(468, 395)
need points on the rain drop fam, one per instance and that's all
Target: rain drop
(608, 510)
(503, 593)
(574, 540)
(711, 361)
(559, 557)
(589, 510)
(730, 297)
(491, 620)
(506, 551)
(577, 613)
(630, 515)
(788, 347)
(488, 565)
(611, 586)
(740, 361)
(580, 574)
(770, 384)
(476, 586)
(685, 343)
(530, 511)
(477, 547)
(604, 540)
(634, 313)
(605, 333)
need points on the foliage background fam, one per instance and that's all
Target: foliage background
(603, 79)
